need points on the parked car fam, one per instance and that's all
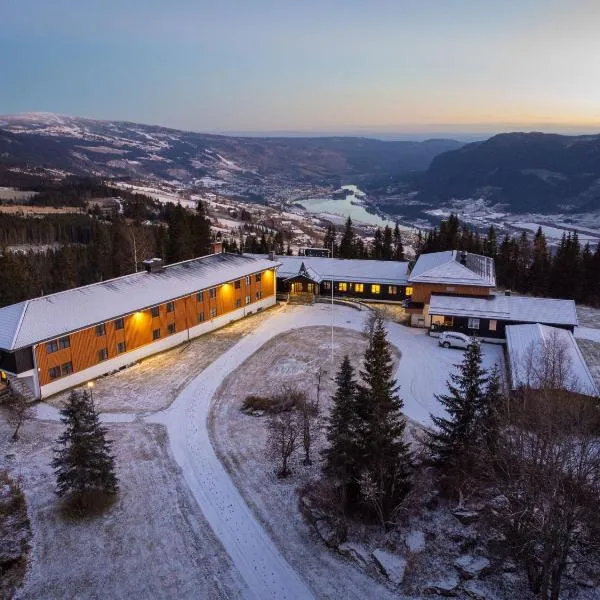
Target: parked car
(455, 339)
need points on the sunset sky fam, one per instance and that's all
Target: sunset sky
(335, 66)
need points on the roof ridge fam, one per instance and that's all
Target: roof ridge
(18, 327)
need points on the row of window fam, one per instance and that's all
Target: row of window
(359, 288)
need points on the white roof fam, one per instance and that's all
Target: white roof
(535, 352)
(343, 269)
(507, 308)
(54, 315)
(446, 267)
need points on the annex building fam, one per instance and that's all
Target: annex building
(55, 342)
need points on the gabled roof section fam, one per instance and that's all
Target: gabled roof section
(527, 345)
(51, 316)
(454, 267)
(343, 269)
(519, 309)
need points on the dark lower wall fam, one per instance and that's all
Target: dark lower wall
(462, 324)
(16, 362)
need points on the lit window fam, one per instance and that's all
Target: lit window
(343, 287)
(238, 284)
(66, 368)
(375, 288)
(247, 299)
(119, 324)
(121, 347)
(258, 277)
(493, 324)
(408, 291)
(54, 372)
(155, 311)
(170, 307)
(473, 323)
(100, 330)
(200, 317)
(359, 287)
(64, 342)
(52, 346)
(155, 334)
(171, 328)
(102, 354)
(213, 313)
(212, 293)
(392, 290)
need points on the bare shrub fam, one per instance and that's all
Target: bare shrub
(283, 436)
(308, 416)
(263, 403)
(19, 410)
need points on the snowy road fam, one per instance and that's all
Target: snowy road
(423, 370)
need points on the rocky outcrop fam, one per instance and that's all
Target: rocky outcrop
(356, 552)
(391, 565)
(472, 566)
(445, 586)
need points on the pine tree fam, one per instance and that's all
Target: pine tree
(347, 243)
(83, 461)
(387, 458)
(454, 438)
(342, 456)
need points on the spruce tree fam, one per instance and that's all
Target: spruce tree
(488, 420)
(342, 456)
(398, 246)
(347, 243)
(455, 436)
(381, 424)
(82, 458)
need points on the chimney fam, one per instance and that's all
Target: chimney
(463, 258)
(507, 293)
(153, 265)
(271, 255)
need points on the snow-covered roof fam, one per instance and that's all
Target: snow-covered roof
(454, 267)
(534, 352)
(342, 269)
(54, 315)
(519, 309)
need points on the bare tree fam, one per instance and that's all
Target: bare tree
(19, 411)
(321, 372)
(283, 430)
(307, 415)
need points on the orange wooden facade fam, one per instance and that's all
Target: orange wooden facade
(138, 328)
(422, 291)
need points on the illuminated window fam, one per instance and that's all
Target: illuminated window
(200, 296)
(238, 284)
(100, 330)
(54, 372)
(359, 287)
(170, 307)
(119, 324)
(493, 324)
(121, 347)
(213, 313)
(473, 323)
(171, 328)
(247, 299)
(375, 288)
(408, 291)
(102, 354)
(392, 290)
(343, 287)
(155, 310)
(258, 277)
(155, 334)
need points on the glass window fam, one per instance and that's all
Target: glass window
(392, 290)
(170, 307)
(54, 372)
(66, 368)
(493, 324)
(200, 296)
(408, 291)
(238, 284)
(212, 293)
(200, 317)
(247, 279)
(375, 288)
(327, 285)
(247, 299)
(343, 287)
(473, 323)
(258, 295)
(155, 334)
(52, 346)
(359, 287)
(102, 354)
(238, 302)
(64, 342)
(155, 311)
(121, 347)
(258, 277)
(171, 328)
(119, 324)
(213, 313)
(100, 330)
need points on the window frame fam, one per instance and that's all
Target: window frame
(199, 296)
(170, 306)
(237, 284)
(52, 347)
(154, 334)
(66, 369)
(155, 312)
(64, 342)
(119, 344)
(259, 294)
(201, 318)
(359, 288)
(102, 354)
(101, 329)
(238, 302)
(54, 372)
(342, 286)
(171, 328)
(119, 324)
(212, 293)
(474, 323)
(375, 288)
(493, 325)
(248, 300)
(258, 277)
(213, 312)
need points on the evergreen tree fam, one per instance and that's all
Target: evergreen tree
(380, 425)
(377, 252)
(82, 459)
(398, 246)
(539, 270)
(342, 456)
(347, 243)
(455, 437)
(200, 231)
(329, 241)
(488, 424)
(387, 249)
(491, 243)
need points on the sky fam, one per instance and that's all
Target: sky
(307, 66)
